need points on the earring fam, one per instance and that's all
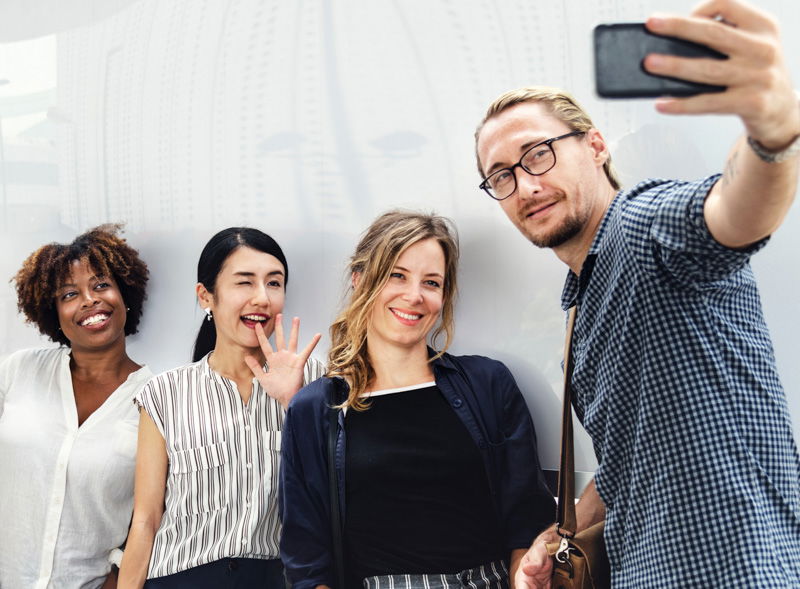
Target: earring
(127, 308)
(208, 313)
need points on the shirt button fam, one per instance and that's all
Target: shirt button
(457, 403)
(249, 465)
(247, 428)
(244, 541)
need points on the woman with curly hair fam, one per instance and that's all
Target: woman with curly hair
(67, 422)
(433, 456)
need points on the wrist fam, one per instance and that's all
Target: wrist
(772, 155)
(784, 143)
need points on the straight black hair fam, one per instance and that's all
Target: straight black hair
(212, 258)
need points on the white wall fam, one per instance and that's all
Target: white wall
(306, 119)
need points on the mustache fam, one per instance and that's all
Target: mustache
(535, 206)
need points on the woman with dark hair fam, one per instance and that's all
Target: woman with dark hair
(67, 423)
(205, 507)
(434, 455)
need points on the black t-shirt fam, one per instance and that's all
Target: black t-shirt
(417, 493)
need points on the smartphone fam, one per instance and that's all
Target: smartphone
(619, 50)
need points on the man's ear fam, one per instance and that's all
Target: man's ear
(598, 146)
(204, 298)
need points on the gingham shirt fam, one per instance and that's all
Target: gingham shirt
(222, 483)
(675, 382)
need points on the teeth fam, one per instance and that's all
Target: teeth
(94, 319)
(406, 315)
(259, 318)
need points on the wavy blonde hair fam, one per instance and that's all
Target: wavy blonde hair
(561, 105)
(376, 255)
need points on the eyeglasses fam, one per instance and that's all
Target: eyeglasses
(538, 160)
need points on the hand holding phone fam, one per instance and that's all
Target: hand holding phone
(620, 50)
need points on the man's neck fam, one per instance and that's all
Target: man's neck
(573, 253)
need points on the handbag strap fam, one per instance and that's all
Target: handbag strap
(333, 483)
(565, 515)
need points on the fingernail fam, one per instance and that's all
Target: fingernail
(654, 60)
(656, 21)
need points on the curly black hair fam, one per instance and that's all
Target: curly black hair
(45, 270)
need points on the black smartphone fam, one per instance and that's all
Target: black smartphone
(619, 50)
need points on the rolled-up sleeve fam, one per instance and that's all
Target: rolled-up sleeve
(680, 237)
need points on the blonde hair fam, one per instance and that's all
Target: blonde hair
(376, 254)
(561, 105)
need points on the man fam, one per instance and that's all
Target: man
(674, 376)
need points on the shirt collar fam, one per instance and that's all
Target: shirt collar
(214, 376)
(574, 286)
(444, 361)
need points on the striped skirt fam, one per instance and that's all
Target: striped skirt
(489, 576)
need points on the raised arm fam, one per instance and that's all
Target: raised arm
(753, 196)
(148, 503)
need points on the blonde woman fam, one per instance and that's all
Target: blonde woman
(435, 455)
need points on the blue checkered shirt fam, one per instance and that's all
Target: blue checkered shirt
(675, 382)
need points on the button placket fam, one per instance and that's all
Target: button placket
(249, 474)
(53, 518)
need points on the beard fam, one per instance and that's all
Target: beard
(569, 228)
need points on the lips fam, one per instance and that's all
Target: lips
(253, 319)
(537, 210)
(405, 317)
(96, 320)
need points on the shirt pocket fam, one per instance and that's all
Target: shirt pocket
(272, 440)
(200, 479)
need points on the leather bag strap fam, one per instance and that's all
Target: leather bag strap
(565, 515)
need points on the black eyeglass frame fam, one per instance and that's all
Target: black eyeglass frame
(548, 142)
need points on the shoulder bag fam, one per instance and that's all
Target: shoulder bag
(579, 560)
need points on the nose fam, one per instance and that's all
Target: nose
(413, 293)
(261, 296)
(528, 185)
(88, 298)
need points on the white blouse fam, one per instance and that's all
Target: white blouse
(66, 492)
(222, 482)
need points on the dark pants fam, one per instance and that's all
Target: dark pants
(228, 573)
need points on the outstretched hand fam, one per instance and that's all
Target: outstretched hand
(759, 88)
(284, 374)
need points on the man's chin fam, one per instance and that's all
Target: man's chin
(557, 237)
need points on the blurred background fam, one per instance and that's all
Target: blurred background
(306, 119)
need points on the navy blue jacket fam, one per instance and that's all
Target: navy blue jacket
(483, 394)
